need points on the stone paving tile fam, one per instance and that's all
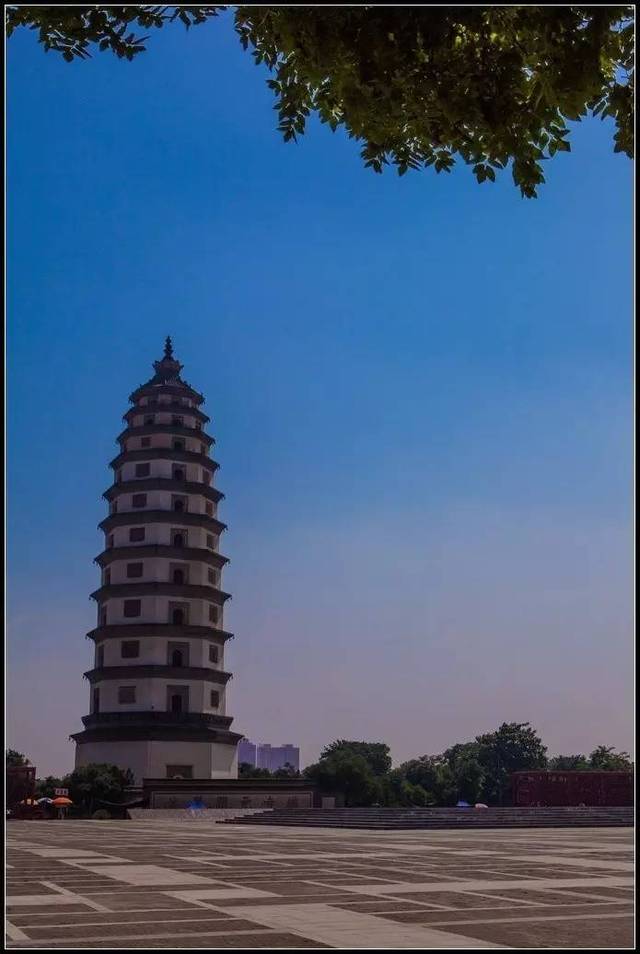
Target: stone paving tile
(123, 901)
(566, 896)
(614, 892)
(37, 909)
(270, 940)
(456, 900)
(472, 916)
(144, 929)
(152, 916)
(602, 932)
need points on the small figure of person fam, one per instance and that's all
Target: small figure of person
(195, 806)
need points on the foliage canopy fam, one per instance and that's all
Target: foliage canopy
(418, 87)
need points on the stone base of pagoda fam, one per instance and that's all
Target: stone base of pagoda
(149, 758)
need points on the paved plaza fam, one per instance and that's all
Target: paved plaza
(191, 884)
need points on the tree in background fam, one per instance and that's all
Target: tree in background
(513, 747)
(397, 791)
(417, 87)
(376, 754)
(468, 774)
(97, 782)
(247, 770)
(46, 787)
(605, 759)
(286, 771)
(569, 763)
(349, 773)
(15, 759)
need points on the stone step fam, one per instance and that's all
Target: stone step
(390, 818)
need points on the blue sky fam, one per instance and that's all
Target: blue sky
(420, 390)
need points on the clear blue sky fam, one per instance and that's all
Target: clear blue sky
(420, 389)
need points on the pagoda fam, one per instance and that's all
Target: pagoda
(158, 682)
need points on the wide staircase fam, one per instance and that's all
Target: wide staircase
(439, 818)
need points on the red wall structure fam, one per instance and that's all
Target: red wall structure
(572, 788)
(21, 783)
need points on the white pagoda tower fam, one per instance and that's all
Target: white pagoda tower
(158, 683)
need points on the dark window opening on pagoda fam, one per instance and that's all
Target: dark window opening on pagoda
(209, 508)
(145, 442)
(213, 654)
(213, 614)
(102, 616)
(139, 500)
(99, 657)
(130, 648)
(179, 504)
(149, 418)
(198, 425)
(178, 445)
(179, 771)
(178, 473)
(211, 542)
(126, 694)
(96, 700)
(206, 477)
(178, 701)
(177, 421)
(177, 654)
(132, 608)
(107, 577)
(134, 570)
(113, 507)
(179, 538)
(179, 576)
(177, 617)
(118, 476)
(143, 470)
(109, 541)
(136, 534)
(215, 699)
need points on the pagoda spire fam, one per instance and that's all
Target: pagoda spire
(168, 368)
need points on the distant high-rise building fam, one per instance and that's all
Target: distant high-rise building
(288, 755)
(263, 756)
(247, 753)
(266, 756)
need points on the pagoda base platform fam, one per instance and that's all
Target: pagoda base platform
(151, 758)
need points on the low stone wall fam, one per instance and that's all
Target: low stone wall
(206, 814)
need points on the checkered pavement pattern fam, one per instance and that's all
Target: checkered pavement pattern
(193, 884)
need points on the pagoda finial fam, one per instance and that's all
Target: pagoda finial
(168, 348)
